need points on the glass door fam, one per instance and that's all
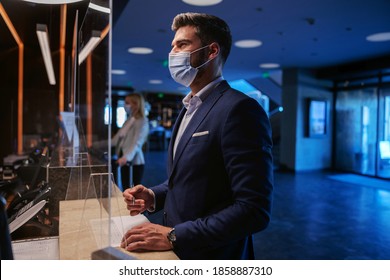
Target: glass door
(356, 130)
(383, 158)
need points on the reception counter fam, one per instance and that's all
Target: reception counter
(83, 230)
(80, 219)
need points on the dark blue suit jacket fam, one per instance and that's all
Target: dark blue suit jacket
(219, 187)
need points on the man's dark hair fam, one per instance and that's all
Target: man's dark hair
(209, 29)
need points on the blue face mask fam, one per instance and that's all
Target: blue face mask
(180, 67)
(128, 109)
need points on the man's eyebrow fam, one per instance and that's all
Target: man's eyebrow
(181, 42)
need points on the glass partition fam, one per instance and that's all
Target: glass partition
(62, 200)
(93, 213)
(69, 202)
(86, 209)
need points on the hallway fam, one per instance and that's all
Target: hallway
(315, 217)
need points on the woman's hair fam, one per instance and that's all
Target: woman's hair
(139, 99)
(209, 29)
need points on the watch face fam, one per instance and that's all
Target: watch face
(172, 235)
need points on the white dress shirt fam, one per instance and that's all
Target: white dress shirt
(192, 103)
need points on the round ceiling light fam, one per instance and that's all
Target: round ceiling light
(202, 2)
(140, 50)
(269, 65)
(53, 1)
(248, 43)
(379, 37)
(118, 72)
(155, 82)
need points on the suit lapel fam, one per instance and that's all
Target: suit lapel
(173, 138)
(196, 120)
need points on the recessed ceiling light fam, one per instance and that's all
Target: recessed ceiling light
(269, 65)
(155, 82)
(183, 90)
(202, 2)
(379, 37)
(118, 72)
(248, 43)
(53, 1)
(140, 50)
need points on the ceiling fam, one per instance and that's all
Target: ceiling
(24, 17)
(294, 33)
(316, 34)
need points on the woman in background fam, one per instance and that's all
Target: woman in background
(129, 140)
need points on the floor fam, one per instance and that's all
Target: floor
(315, 216)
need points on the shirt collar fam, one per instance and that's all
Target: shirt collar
(201, 96)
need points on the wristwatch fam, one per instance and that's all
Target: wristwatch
(172, 237)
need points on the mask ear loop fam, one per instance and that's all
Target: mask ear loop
(201, 48)
(207, 60)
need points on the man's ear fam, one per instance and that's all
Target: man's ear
(214, 50)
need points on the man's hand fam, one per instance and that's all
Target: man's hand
(147, 237)
(138, 199)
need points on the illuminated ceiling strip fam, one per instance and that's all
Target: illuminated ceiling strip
(99, 8)
(43, 39)
(90, 46)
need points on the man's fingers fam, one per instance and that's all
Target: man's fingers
(134, 212)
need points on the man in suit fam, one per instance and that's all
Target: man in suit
(220, 176)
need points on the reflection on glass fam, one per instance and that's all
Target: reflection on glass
(107, 115)
(356, 130)
(317, 117)
(386, 121)
(121, 116)
(384, 143)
